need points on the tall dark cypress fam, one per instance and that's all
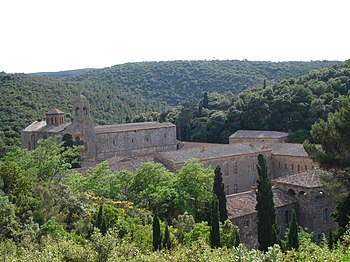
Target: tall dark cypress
(99, 217)
(265, 207)
(205, 100)
(166, 240)
(292, 239)
(214, 225)
(157, 238)
(219, 191)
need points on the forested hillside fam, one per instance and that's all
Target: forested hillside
(291, 105)
(176, 82)
(25, 98)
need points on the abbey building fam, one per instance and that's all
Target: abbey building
(294, 174)
(102, 142)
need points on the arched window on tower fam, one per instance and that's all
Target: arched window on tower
(77, 111)
(85, 110)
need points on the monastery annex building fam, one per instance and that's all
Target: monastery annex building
(295, 176)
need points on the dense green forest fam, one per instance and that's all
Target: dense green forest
(25, 98)
(291, 105)
(117, 94)
(176, 82)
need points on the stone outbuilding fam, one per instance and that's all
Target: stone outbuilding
(302, 192)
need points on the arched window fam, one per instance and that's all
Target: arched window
(77, 111)
(291, 192)
(85, 110)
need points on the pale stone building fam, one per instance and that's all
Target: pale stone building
(302, 192)
(102, 142)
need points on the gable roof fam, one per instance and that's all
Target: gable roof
(244, 203)
(130, 127)
(213, 152)
(258, 134)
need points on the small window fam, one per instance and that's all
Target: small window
(293, 167)
(279, 165)
(227, 189)
(113, 142)
(132, 140)
(246, 223)
(285, 166)
(325, 215)
(305, 167)
(29, 145)
(234, 167)
(77, 111)
(235, 189)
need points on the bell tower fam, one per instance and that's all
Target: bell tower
(82, 127)
(81, 110)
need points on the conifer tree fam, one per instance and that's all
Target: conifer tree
(99, 217)
(205, 100)
(219, 191)
(157, 238)
(330, 240)
(265, 207)
(214, 224)
(292, 239)
(166, 240)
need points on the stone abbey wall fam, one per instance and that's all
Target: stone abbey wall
(135, 142)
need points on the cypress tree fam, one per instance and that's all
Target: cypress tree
(265, 207)
(205, 100)
(330, 240)
(103, 227)
(99, 217)
(219, 191)
(157, 238)
(166, 240)
(214, 225)
(292, 239)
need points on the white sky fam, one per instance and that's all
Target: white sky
(54, 35)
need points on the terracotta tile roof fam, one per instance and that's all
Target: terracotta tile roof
(258, 134)
(189, 145)
(42, 127)
(288, 149)
(244, 203)
(212, 152)
(131, 127)
(307, 179)
(54, 111)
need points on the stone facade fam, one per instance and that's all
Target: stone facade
(302, 192)
(237, 162)
(102, 142)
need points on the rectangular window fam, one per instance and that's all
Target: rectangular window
(234, 167)
(325, 215)
(305, 167)
(227, 189)
(285, 166)
(246, 223)
(235, 189)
